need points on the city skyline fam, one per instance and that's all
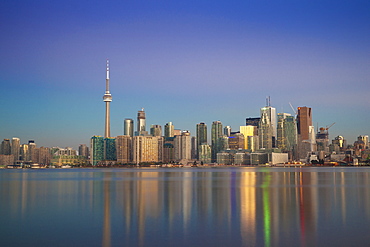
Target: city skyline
(184, 64)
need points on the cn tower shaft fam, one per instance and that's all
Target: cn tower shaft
(107, 99)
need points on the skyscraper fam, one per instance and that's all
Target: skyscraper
(227, 131)
(155, 130)
(6, 147)
(248, 131)
(265, 130)
(83, 150)
(15, 148)
(107, 99)
(205, 153)
(128, 127)
(169, 129)
(182, 146)
(96, 149)
(305, 132)
(110, 153)
(269, 114)
(254, 121)
(31, 152)
(23, 153)
(141, 122)
(201, 135)
(216, 134)
(304, 121)
(287, 134)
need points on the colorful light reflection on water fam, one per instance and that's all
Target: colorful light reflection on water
(185, 207)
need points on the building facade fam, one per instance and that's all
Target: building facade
(124, 149)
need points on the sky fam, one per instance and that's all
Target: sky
(182, 61)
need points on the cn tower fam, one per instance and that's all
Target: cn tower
(107, 99)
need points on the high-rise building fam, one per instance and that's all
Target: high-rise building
(23, 153)
(147, 149)
(304, 121)
(169, 150)
(141, 122)
(155, 130)
(247, 131)
(83, 150)
(205, 154)
(322, 140)
(216, 134)
(265, 130)
(110, 153)
(305, 132)
(128, 127)
(194, 148)
(254, 121)
(268, 118)
(287, 134)
(236, 141)
(227, 131)
(42, 156)
(107, 99)
(201, 135)
(124, 149)
(96, 150)
(15, 148)
(6, 147)
(31, 152)
(169, 130)
(182, 146)
(253, 142)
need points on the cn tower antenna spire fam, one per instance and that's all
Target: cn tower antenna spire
(107, 99)
(107, 79)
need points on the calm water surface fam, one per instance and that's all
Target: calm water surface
(185, 207)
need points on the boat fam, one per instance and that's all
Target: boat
(35, 166)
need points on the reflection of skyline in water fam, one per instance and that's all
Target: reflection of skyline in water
(148, 207)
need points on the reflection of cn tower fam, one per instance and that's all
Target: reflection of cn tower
(107, 99)
(106, 241)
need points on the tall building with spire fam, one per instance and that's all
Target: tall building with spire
(107, 99)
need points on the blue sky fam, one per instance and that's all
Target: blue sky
(185, 62)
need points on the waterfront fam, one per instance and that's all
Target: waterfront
(185, 207)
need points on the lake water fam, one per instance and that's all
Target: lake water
(185, 207)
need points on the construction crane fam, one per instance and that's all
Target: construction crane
(327, 128)
(324, 133)
(295, 112)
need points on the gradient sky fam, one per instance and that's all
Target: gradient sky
(185, 62)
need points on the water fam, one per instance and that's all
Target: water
(185, 207)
